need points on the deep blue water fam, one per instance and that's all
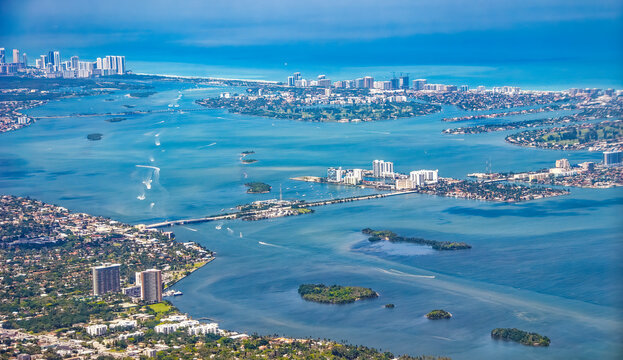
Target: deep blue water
(552, 266)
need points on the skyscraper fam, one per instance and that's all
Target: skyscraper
(25, 60)
(2, 56)
(120, 65)
(368, 82)
(15, 56)
(404, 82)
(57, 60)
(151, 285)
(74, 62)
(418, 84)
(106, 279)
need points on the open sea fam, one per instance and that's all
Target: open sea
(550, 266)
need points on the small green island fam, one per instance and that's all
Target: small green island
(142, 94)
(95, 136)
(249, 161)
(258, 188)
(335, 294)
(116, 119)
(438, 315)
(520, 336)
(247, 152)
(387, 235)
(128, 106)
(390, 306)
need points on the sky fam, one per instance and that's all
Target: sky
(361, 32)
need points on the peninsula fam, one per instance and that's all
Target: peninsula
(335, 294)
(49, 312)
(386, 235)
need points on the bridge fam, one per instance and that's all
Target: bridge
(236, 215)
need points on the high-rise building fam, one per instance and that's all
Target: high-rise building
(395, 83)
(381, 168)
(464, 88)
(612, 158)
(15, 56)
(2, 56)
(290, 80)
(120, 62)
(106, 279)
(418, 84)
(43, 61)
(74, 62)
(563, 164)
(368, 82)
(403, 82)
(151, 285)
(25, 59)
(57, 60)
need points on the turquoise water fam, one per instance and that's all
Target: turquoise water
(551, 266)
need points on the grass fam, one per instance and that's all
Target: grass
(160, 307)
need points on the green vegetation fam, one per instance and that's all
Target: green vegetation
(257, 187)
(304, 210)
(247, 152)
(390, 306)
(571, 137)
(283, 109)
(162, 307)
(248, 161)
(335, 294)
(141, 94)
(438, 314)
(520, 336)
(386, 235)
(95, 136)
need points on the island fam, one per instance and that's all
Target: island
(116, 119)
(601, 136)
(95, 136)
(142, 94)
(386, 235)
(438, 315)
(258, 188)
(390, 306)
(247, 152)
(313, 104)
(520, 336)
(248, 161)
(335, 294)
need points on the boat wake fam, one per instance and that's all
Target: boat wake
(191, 229)
(267, 244)
(141, 197)
(400, 273)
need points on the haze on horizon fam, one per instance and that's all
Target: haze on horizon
(370, 32)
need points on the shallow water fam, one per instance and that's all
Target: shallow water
(551, 266)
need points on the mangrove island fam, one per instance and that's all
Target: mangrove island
(258, 188)
(335, 294)
(520, 336)
(386, 235)
(438, 315)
